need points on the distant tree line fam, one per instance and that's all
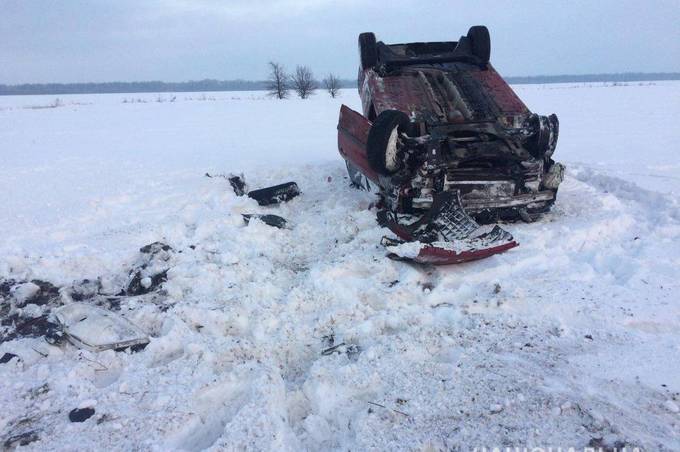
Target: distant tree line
(265, 85)
(142, 87)
(591, 78)
(131, 87)
(302, 82)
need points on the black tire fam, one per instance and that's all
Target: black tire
(481, 42)
(368, 50)
(379, 136)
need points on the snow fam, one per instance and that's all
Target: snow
(408, 250)
(24, 292)
(672, 406)
(571, 337)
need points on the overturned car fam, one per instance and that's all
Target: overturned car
(449, 145)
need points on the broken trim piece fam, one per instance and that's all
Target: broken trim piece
(445, 234)
(95, 329)
(275, 194)
(268, 219)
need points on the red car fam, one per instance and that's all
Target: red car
(449, 145)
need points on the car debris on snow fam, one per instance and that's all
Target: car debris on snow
(351, 350)
(461, 239)
(20, 439)
(239, 185)
(341, 347)
(443, 136)
(25, 310)
(141, 284)
(154, 248)
(268, 219)
(275, 194)
(264, 196)
(28, 308)
(81, 414)
(151, 271)
(7, 357)
(95, 329)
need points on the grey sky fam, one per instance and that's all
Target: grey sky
(177, 40)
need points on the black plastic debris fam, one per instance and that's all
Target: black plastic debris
(339, 348)
(16, 321)
(275, 194)
(80, 414)
(20, 439)
(140, 284)
(268, 219)
(7, 357)
(151, 271)
(351, 350)
(19, 326)
(132, 349)
(55, 335)
(239, 185)
(6, 287)
(155, 247)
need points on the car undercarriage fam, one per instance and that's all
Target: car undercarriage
(446, 141)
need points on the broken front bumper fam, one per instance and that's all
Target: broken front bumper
(530, 200)
(537, 194)
(445, 234)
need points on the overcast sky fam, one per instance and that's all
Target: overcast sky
(178, 40)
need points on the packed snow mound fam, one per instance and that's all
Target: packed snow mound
(309, 338)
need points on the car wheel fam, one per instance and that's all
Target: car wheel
(481, 42)
(382, 144)
(368, 50)
(546, 129)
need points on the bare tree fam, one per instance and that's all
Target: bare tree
(278, 81)
(332, 85)
(303, 82)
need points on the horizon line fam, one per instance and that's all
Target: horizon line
(245, 80)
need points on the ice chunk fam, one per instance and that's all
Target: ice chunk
(24, 292)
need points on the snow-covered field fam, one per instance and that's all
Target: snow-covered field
(571, 339)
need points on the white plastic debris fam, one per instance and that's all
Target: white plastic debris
(97, 329)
